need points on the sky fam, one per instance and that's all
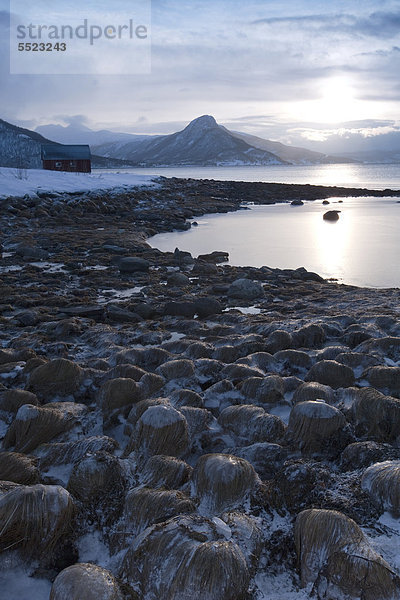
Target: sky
(302, 72)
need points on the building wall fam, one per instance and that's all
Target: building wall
(73, 166)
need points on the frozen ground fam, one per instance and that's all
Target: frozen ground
(14, 182)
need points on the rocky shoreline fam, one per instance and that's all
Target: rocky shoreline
(156, 396)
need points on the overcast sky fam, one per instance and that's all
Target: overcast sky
(303, 72)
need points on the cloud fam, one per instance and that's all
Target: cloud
(74, 120)
(377, 24)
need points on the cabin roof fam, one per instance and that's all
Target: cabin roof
(65, 152)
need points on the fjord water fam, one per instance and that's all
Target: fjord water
(362, 248)
(377, 177)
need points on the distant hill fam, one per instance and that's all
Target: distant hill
(384, 157)
(293, 154)
(80, 134)
(20, 147)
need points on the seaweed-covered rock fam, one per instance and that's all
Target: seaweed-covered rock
(35, 517)
(12, 400)
(160, 430)
(166, 472)
(247, 535)
(119, 393)
(360, 455)
(385, 379)
(18, 468)
(58, 377)
(318, 428)
(382, 482)
(183, 397)
(332, 373)
(267, 459)
(191, 559)
(335, 556)
(313, 391)
(376, 416)
(252, 423)
(278, 340)
(222, 482)
(386, 347)
(35, 425)
(309, 336)
(266, 390)
(85, 581)
(177, 369)
(146, 506)
(295, 360)
(299, 484)
(61, 453)
(98, 481)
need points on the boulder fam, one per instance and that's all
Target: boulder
(331, 215)
(245, 289)
(133, 264)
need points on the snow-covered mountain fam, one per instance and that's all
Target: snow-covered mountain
(203, 142)
(80, 134)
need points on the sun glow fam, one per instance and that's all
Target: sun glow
(336, 102)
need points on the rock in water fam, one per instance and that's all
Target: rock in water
(331, 215)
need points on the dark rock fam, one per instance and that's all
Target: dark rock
(178, 279)
(331, 215)
(205, 307)
(182, 257)
(88, 311)
(133, 264)
(309, 336)
(246, 289)
(332, 373)
(278, 340)
(27, 318)
(180, 309)
(202, 267)
(31, 253)
(214, 257)
(117, 314)
(361, 455)
(146, 311)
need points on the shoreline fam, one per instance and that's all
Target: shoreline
(97, 323)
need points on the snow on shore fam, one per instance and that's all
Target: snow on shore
(14, 182)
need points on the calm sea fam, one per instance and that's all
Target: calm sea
(370, 176)
(361, 248)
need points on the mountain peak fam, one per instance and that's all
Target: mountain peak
(203, 122)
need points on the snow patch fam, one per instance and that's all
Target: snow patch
(39, 180)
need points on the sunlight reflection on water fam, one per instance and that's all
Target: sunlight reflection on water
(361, 248)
